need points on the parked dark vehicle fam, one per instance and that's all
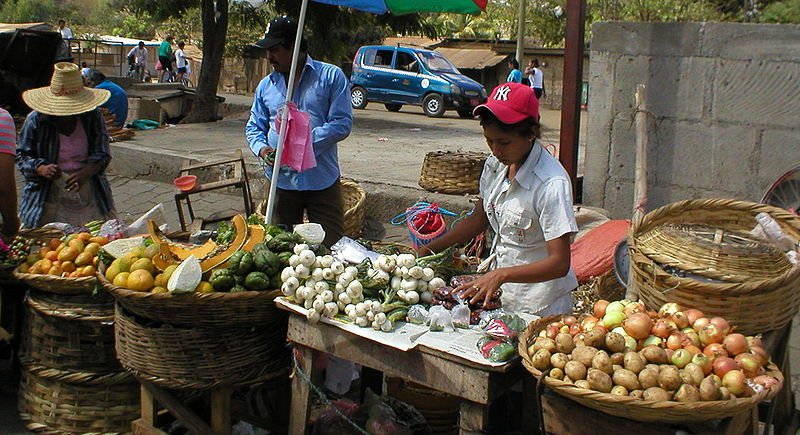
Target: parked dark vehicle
(404, 75)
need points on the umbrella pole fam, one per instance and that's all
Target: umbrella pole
(640, 177)
(273, 185)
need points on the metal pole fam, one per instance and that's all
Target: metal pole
(273, 185)
(571, 93)
(521, 31)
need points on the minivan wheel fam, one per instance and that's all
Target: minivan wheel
(466, 114)
(393, 107)
(433, 105)
(358, 97)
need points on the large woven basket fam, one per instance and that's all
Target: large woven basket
(452, 172)
(756, 305)
(212, 310)
(63, 402)
(354, 197)
(57, 284)
(199, 358)
(70, 332)
(636, 409)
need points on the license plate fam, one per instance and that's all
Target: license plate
(473, 101)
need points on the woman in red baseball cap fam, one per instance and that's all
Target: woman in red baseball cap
(526, 199)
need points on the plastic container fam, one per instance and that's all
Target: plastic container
(185, 183)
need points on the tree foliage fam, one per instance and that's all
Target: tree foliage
(28, 11)
(786, 12)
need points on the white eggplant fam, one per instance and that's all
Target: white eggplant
(300, 247)
(362, 321)
(427, 273)
(412, 297)
(351, 270)
(380, 318)
(394, 284)
(313, 316)
(302, 271)
(415, 272)
(387, 326)
(316, 274)
(426, 297)
(337, 267)
(327, 274)
(287, 273)
(294, 260)
(326, 261)
(321, 287)
(318, 304)
(436, 283)
(307, 257)
(326, 295)
(408, 284)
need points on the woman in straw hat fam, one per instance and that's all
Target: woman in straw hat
(63, 153)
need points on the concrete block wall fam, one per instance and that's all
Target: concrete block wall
(724, 101)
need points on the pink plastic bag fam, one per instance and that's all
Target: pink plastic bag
(298, 149)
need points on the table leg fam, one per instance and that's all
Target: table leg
(473, 418)
(530, 406)
(149, 407)
(221, 411)
(301, 397)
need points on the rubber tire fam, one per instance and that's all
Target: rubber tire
(433, 105)
(466, 114)
(393, 107)
(358, 97)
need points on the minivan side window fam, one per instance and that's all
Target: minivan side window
(378, 58)
(406, 62)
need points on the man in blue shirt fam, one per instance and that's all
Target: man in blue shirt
(118, 103)
(321, 90)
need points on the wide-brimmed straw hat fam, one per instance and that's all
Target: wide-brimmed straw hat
(66, 94)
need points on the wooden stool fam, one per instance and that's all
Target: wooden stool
(238, 180)
(153, 396)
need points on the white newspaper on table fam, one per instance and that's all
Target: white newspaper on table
(462, 343)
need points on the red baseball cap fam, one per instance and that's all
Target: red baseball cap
(511, 103)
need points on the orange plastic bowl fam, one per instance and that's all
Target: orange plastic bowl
(185, 183)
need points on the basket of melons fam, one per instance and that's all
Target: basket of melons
(674, 365)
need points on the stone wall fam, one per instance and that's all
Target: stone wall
(724, 102)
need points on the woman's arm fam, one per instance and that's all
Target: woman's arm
(554, 266)
(464, 231)
(8, 196)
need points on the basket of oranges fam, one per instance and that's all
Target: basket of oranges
(63, 266)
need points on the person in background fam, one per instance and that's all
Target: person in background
(526, 199)
(536, 77)
(322, 90)
(117, 104)
(165, 57)
(8, 184)
(515, 75)
(180, 61)
(63, 153)
(85, 70)
(138, 55)
(66, 32)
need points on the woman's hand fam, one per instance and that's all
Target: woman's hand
(51, 171)
(484, 287)
(81, 176)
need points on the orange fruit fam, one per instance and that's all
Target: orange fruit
(204, 287)
(51, 255)
(140, 280)
(53, 243)
(36, 269)
(45, 264)
(101, 240)
(69, 253)
(68, 267)
(84, 236)
(112, 272)
(92, 247)
(54, 271)
(143, 263)
(24, 268)
(74, 274)
(122, 279)
(158, 289)
(88, 271)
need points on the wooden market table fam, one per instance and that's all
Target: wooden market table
(477, 384)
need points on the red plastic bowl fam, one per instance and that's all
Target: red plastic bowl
(185, 183)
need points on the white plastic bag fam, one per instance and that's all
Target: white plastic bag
(440, 319)
(312, 233)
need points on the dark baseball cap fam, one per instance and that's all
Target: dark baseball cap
(280, 30)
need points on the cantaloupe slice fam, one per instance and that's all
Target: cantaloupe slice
(255, 236)
(240, 225)
(179, 250)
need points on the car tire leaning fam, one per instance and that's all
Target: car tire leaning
(433, 105)
(358, 97)
(393, 107)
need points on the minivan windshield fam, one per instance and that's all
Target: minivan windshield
(435, 62)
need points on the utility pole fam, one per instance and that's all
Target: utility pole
(571, 96)
(521, 32)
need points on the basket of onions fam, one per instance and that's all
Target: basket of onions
(674, 365)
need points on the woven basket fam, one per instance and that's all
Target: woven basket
(57, 284)
(245, 309)
(726, 255)
(63, 402)
(605, 286)
(199, 358)
(452, 172)
(353, 196)
(70, 332)
(642, 410)
(756, 305)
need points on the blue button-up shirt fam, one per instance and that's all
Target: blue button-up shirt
(117, 104)
(324, 93)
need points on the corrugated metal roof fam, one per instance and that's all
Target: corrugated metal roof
(472, 58)
(417, 41)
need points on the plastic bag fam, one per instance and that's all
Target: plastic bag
(310, 232)
(298, 150)
(139, 226)
(769, 230)
(502, 352)
(441, 319)
(461, 316)
(499, 330)
(488, 315)
(417, 314)
(347, 249)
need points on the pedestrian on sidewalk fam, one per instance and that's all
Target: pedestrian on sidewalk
(165, 57)
(321, 90)
(526, 199)
(137, 59)
(180, 62)
(63, 153)
(8, 184)
(536, 78)
(117, 104)
(515, 75)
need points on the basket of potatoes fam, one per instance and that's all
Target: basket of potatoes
(674, 365)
